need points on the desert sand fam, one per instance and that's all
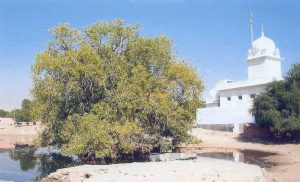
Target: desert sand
(18, 135)
(202, 169)
(287, 158)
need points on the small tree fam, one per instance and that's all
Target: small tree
(107, 91)
(279, 108)
(4, 113)
(23, 114)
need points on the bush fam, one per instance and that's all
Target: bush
(279, 108)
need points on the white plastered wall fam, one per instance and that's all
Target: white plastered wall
(264, 67)
(234, 94)
(224, 115)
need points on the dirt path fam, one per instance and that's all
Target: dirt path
(287, 158)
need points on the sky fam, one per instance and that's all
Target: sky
(213, 35)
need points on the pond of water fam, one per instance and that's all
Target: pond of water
(24, 164)
(28, 163)
(244, 156)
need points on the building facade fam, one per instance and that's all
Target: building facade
(229, 102)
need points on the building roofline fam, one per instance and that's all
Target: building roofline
(247, 83)
(257, 57)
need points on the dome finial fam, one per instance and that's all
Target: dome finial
(262, 30)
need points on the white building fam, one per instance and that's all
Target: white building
(229, 102)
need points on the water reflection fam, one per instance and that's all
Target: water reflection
(28, 163)
(25, 155)
(172, 156)
(22, 164)
(244, 156)
(50, 163)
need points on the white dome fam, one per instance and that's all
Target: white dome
(264, 43)
(263, 46)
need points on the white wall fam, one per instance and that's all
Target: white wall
(255, 69)
(245, 92)
(273, 68)
(264, 67)
(224, 115)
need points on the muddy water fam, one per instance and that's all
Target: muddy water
(244, 156)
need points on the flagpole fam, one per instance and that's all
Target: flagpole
(251, 29)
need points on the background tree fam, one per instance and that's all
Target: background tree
(4, 113)
(23, 114)
(107, 91)
(279, 108)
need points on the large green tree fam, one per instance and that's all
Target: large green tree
(279, 108)
(108, 91)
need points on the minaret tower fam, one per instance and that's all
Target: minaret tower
(264, 61)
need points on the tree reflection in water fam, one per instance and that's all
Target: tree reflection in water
(26, 157)
(45, 163)
(50, 163)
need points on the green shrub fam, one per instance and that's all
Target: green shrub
(279, 108)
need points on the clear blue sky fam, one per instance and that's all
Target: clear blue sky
(212, 34)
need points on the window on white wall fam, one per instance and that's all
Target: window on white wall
(252, 96)
(240, 97)
(229, 98)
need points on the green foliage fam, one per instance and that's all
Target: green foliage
(100, 138)
(279, 108)
(23, 114)
(4, 113)
(107, 91)
(193, 140)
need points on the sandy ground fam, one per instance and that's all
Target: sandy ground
(190, 170)
(287, 158)
(23, 134)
